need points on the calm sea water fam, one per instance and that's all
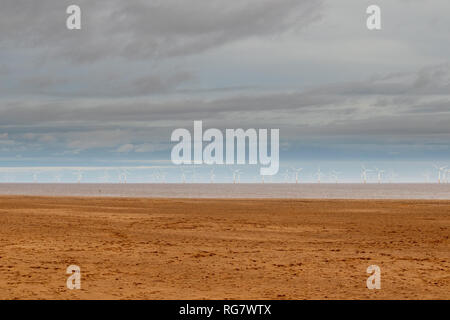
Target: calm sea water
(299, 191)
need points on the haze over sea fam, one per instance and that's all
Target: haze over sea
(258, 191)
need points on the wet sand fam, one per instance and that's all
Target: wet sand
(223, 249)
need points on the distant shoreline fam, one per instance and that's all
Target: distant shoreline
(394, 191)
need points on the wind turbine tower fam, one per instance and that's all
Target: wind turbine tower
(380, 175)
(297, 172)
(334, 176)
(212, 176)
(163, 176)
(79, 175)
(319, 175)
(441, 170)
(183, 176)
(236, 176)
(364, 172)
(286, 176)
(427, 176)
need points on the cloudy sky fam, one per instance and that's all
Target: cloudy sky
(112, 93)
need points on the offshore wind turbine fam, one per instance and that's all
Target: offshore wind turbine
(440, 170)
(297, 172)
(163, 176)
(379, 174)
(236, 174)
(334, 175)
(79, 175)
(427, 176)
(286, 176)
(9, 177)
(259, 176)
(183, 176)
(319, 175)
(212, 175)
(124, 175)
(105, 177)
(194, 175)
(155, 176)
(364, 172)
(392, 175)
(445, 175)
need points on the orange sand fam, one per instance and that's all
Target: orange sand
(217, 249)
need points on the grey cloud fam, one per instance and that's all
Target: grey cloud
(138, 69)
(41, 83)
(400, 92)
(4, 70)
(131, 47)
(147, 29)
(99, 84)
(426, 81)
(314, 111)
(156, 84)
(144, 110)
(436, 107)
(142, 148)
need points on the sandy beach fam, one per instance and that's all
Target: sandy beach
(136, 248)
